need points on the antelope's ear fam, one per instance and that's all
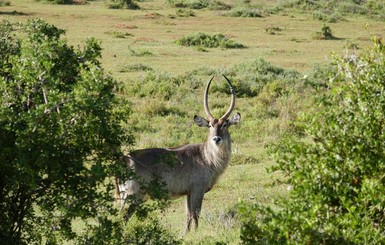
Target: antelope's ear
(236, 118)
(201, 122)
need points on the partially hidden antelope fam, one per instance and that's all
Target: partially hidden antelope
(191, 169)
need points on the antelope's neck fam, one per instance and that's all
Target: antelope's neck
(218, 156)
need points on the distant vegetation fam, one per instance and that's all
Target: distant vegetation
(4, 3)
(245, 12)
(325, 10)
(335, 10)
(209, 41)
(324, 34)
(118, 4)
(192, 4)
(62, 1)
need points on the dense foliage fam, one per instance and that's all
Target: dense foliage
(60, 134)
(5, 3)
(208, 41)
(336, 174)
(119, 4)
(62, 1)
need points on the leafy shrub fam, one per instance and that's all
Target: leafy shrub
(63, 1)
(192, 4)
(335, 10)
(185, 13)
(337, 174)
(148, 231)
(140, 225)
(208, 41)
(119, 4)
(316, 77)
(198, 4)
(324, 34)
(218, 5)
(376, 8)
(60, 135)
(351, 8)
(375, 5)
(159, 108)
(250, 78)
(327, 17)
(245, 12)
(5, 3)
(154, 84)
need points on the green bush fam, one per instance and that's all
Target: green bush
(336, 173)
(192, 4)
(198, 4)
(119, 4)
(5, 3)
(250, 78)
(155, 85)
(218, 5)
(209, 41)
(60, 1)
(326, 16)
(149, 231)
(376, 8)
(60, 135)
(140, 223)
(324, 34)
(185, 13)
(246, 11)
(335, 10)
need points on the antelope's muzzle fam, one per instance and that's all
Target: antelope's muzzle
(217, 140)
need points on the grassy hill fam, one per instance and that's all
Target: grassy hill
(274, 73)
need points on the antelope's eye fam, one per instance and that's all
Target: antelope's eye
(224, 125)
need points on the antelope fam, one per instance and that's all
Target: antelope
(191, 169)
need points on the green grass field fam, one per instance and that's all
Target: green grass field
(136, 41)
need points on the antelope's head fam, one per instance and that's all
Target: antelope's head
(218, 128)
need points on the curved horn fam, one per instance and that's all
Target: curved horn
(232, 90)
(206, 102)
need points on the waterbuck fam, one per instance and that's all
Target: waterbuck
(190, 170)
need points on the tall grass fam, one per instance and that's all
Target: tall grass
(333, 11)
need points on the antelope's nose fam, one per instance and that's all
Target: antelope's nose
(217, 140)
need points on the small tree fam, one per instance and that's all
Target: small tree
(324, 34)
(119, 4)
(337, 174)
(61, 135)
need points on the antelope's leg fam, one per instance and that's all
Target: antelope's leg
(196, 205)
(188, 212)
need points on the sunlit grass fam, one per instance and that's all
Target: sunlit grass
(293, 47)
